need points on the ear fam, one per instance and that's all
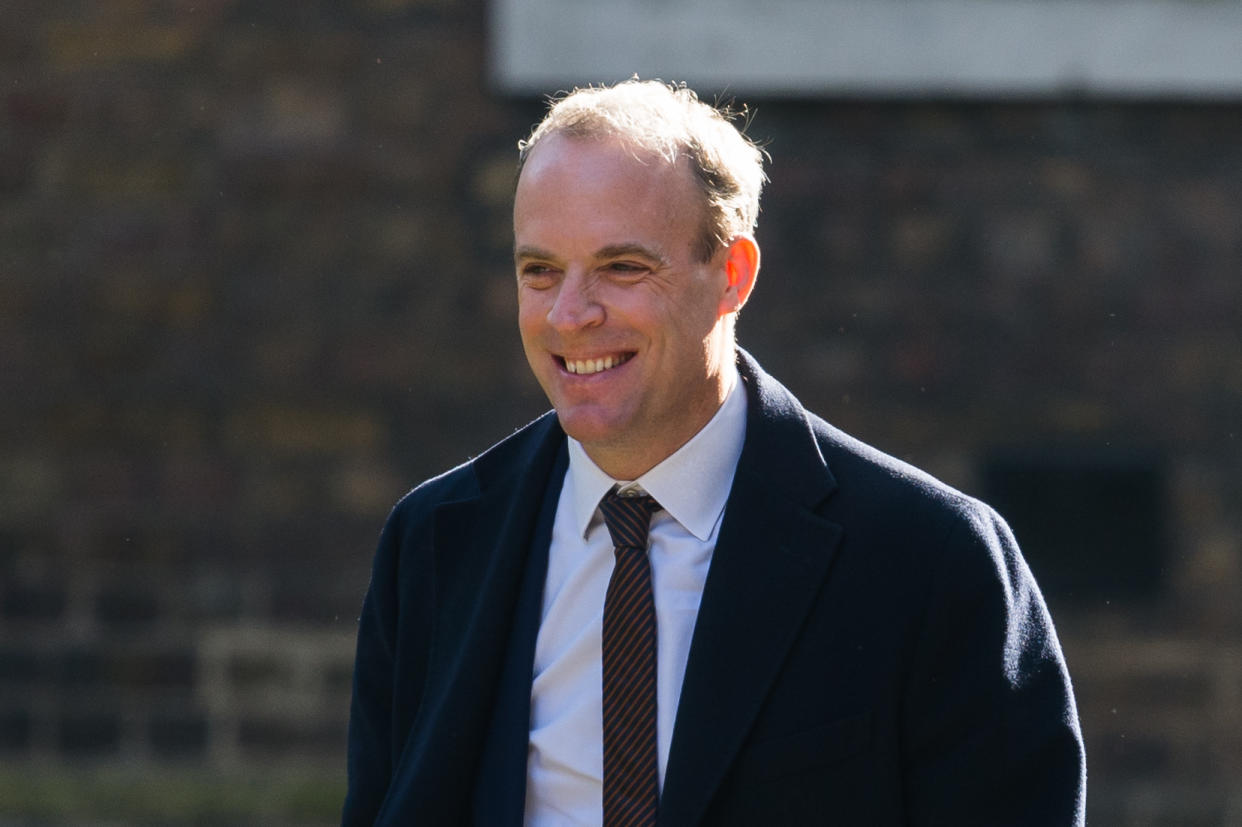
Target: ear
(741, 268)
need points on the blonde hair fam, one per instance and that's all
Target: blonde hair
(669, 121)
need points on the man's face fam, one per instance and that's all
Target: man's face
(623, 326)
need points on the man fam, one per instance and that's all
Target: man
(793, 629)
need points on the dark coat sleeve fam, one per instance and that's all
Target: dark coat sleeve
(394, 633)
(370, 756)
(991, 730)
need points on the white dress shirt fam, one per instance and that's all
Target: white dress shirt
(564, 781)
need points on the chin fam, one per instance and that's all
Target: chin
(589, 430)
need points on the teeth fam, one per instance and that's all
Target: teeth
(589, 366)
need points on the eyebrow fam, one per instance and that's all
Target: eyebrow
(620, 250)
(630, 249)
(527, 251)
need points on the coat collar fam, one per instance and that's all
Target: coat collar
(770, 562)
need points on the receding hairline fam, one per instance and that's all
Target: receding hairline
(604, 110)
(669, 122)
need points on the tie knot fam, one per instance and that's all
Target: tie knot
(628, 518)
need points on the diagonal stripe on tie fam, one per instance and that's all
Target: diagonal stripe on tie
(631, 763)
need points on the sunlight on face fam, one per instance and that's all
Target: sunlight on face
(621, 323)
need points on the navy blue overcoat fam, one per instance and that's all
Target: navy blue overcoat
(871, 648)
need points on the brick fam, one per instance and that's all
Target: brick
(73, 45)
(293, 430)
(135, 181)
(80, 668)
(43, 602)
(37, 109)
(1134, 754)
(214, 596)
(16, 170)
(30, 483)
(20, 666)
(126, 605)
(88, 734)
(166, 669)
(272, 736)
(12, 541)
(178, 735)
(1169, 690)
(16, 729)
(249, 672)
(315, 599)
(338, 678)
(921, 240)
(366, 489)
(384, 8)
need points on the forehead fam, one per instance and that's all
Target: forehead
(589, 175)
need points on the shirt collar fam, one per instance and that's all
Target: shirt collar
(692, 484)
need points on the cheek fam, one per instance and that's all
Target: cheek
(530, 312)
(688, 324)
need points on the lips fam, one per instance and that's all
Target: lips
(585, 367)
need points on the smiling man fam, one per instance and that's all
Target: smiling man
(680, 596)
(627, 325)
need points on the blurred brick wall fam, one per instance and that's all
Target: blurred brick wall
(254, 284)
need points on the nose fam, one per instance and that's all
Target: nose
(575, 306)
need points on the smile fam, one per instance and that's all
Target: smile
(583, 367)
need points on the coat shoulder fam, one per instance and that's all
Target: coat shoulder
(864, 469)
(909, 520)
(501, 464)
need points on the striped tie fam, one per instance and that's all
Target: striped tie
(631, 769)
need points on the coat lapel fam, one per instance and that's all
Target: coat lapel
(481, 550)
(770, 561)
(500, 786)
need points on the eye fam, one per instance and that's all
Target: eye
(626, 269)
(536, 276)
